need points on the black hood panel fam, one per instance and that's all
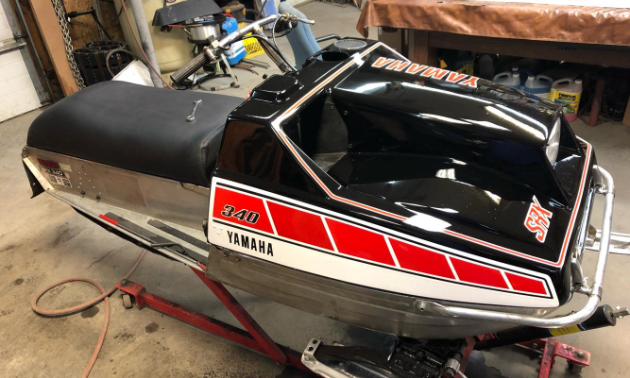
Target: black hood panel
(445, 157)
(462, 149)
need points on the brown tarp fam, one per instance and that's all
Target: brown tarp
(557, 23)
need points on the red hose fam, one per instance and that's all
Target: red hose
(84, 306)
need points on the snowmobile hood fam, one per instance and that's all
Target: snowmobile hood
(446, 159)
(461, 153)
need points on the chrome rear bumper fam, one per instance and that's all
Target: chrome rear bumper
(606, 186)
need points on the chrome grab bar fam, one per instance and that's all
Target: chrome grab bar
(605, 186)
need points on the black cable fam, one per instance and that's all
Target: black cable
(91, 12)
(267, 43)
(273, 34)
(112, 52)
(100, 25)
(119, 12)
(288, 30)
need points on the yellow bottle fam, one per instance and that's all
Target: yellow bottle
(567, 92)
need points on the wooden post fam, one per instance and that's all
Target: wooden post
(626, 115)
(392, 37)
(53, 39)
(596, 106)
(420, 50)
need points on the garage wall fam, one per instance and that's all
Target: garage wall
(17, 92)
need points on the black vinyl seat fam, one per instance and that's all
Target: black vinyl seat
(139, 128)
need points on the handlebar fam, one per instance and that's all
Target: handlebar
(189, 68)
(214, 51)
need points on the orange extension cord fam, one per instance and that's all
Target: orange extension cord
(84, 306)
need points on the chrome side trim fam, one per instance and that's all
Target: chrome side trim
(87, 207)
(160, 198)
(606, 186)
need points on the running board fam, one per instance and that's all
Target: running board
(619, 242)
(156, 241)
(405, 358)
(179, 234)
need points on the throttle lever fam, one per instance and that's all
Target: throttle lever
(306, 21)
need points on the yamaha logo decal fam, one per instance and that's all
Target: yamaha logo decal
(425, 71)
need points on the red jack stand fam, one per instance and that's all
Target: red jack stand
(548, 349)
(551, 348)
(253, 338)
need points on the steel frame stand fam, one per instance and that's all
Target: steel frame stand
(253, 337)
(548, 349)
(466, 353)
(256, 339)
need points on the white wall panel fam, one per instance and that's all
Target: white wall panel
(17, 93)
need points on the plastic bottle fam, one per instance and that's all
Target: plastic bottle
(567, 92)
(507, 78)
(236, 51)
(523, 73)
(539, 85)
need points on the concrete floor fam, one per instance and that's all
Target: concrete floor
(43, 240)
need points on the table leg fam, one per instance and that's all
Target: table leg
(420, 50)
(626, 115)
(597, 101)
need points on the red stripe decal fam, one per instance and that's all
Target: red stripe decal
(308, 228)
(299, 225)
(228, 204)
(526, 284)
(359, 242)
(108, 219)
(421, 260)
(475, 273)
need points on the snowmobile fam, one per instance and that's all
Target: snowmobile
(362, 187)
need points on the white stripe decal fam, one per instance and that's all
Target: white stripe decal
(374, 276)
(391, 251)
(450, 263)
(509, 284)
(273, 226)
(332, 240)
